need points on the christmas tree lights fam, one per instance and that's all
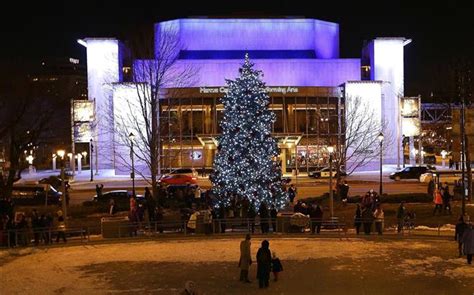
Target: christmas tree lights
(245, 164)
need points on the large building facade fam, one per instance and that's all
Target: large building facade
(309, 84)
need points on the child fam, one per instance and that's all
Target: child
(276, 266)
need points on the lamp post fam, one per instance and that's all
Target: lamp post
(91, 149)
(132, 175)
(61, 154)
(331, 197)
(443, 157)
(380, 137)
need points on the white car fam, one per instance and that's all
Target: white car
(426, 177)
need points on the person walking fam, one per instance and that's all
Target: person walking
(401, 213)
(437, 200)
(468, 243)
(245, 259)
(251, 217)
(461, 226)
(264, 216)
(61, 227)
(273, 215)
(36, 226)
(192, 222)
(221, 214)
(367, 218)
(446, 199)
(276, 266)
(98, 190)
(379, 218)
(292, 193)
(150, 205)
(264, 264)
(316, 215)
(358, 219)
(344, 191)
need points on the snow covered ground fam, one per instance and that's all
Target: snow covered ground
(311, 266)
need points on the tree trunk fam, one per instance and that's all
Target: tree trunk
(154, 153)
(467, 158)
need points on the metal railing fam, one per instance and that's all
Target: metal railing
(122, 228)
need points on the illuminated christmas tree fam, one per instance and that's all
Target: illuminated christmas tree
(245, 164)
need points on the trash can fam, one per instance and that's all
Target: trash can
(283, 222)
(115, 227)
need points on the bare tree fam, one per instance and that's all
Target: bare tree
(24, 119)
(155, 68)
(359, 141)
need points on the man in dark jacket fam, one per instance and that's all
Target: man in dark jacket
(264, 216)
(468, 243)
(316, 215)
(344, 191)
(264, 264)
(273, 215)
(446, 199)
(150, 204)
(401, 213)
(367, 218)
(461, 226)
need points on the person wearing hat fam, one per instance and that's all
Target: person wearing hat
(245, 259)
(264, 264)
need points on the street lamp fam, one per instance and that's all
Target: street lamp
(61, 154)
(132, 175)
(91, 150)
(443, 156)
(380, 137)
(331, 197)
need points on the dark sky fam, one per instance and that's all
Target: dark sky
(31, 30)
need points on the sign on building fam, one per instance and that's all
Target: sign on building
(83, 117)
(410, 111)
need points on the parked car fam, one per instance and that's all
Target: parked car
(183, 171)
(54, 181)
(35, 195)
(413, 172)
(177, 179)
(324, 173)
(118, 196)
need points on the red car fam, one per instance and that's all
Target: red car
(178, 179)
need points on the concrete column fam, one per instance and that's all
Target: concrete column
(79, 163)
(411, 145)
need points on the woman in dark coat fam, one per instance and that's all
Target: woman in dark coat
(358, 219)
(264, 264)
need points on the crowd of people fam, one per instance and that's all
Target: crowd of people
(21, 229)
(441, 197)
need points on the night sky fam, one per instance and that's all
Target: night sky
(441, 32)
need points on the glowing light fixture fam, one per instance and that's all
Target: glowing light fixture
(82, 42)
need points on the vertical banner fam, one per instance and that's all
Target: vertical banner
(83, 118)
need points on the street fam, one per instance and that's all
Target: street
(307, 187)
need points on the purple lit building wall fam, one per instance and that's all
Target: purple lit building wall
(290, 52)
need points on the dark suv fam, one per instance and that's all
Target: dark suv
(413, 172)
